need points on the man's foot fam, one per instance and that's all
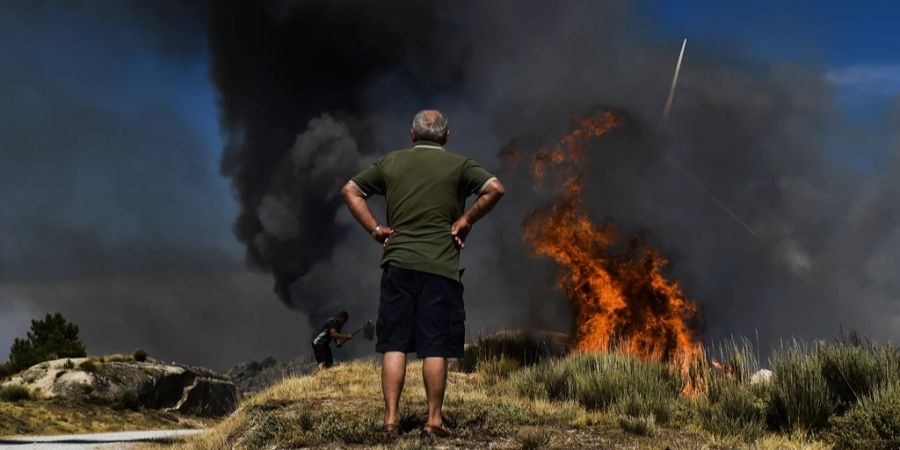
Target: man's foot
(392, 429)
(432, 432)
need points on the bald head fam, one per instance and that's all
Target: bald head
(430, 125)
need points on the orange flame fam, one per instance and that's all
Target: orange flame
(620, 295)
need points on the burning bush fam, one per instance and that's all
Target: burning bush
(619, 293)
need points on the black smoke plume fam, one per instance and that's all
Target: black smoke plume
(279, 66)
(313, 90)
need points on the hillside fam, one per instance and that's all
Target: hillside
(342, 409)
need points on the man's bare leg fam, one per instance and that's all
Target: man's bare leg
(434, 372)
(320, 367)
(393, 373)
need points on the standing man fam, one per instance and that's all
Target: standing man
(321, 342)
(421, 306)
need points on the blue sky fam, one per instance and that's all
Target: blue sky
(857, 44)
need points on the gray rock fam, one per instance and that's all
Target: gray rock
(133, 385)
(761, 376)
(254, 376)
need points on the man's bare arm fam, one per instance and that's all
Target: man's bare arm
(359, 207)
(483, 205)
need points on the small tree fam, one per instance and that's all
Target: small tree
(51, 338)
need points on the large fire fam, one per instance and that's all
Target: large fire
(620, 296)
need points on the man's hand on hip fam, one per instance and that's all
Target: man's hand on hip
(383, 234)
(460, 230)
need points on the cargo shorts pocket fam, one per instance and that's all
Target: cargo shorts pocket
(458, 326)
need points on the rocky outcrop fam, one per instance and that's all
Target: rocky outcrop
(132, 385)
(254, 376)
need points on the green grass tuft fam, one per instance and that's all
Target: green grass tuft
(89, 366)
(14, 393)
(799, 398)
(873, 424)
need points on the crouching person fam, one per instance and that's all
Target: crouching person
(321, 343)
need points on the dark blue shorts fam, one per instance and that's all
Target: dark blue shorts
(420, 312)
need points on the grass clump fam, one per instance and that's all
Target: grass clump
(644, 425)
(523, 348)
(89, 366)
(605, 381)
(873, 424)
(734, 408)
(139, 355)
(799, 397)
(14, 393)
(533, 439)
(854, 370)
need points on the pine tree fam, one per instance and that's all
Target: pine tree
(51, 338)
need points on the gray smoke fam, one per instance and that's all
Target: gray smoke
(762, 138)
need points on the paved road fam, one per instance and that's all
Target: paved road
(89, 441)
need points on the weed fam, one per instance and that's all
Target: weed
(14, 393)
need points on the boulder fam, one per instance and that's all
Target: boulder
(132, 385)
(254, 376)
(761, 376)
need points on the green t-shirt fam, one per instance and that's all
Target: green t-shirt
(426, 189)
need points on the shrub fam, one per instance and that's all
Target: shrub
(641, 426)
(140, 355)
(636, 404)
(855, 370)
(734, 408)
(533, 439)
(548, 380)
(601, 381)
(873, 424)
(498, 369)
(68, 365)
(522, 347)
(14, 393)
(799, 397)
(89, 366)
(50, 338)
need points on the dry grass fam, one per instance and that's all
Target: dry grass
(55, 417)
(342, 408)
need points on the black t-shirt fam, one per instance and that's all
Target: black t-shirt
(323, 337)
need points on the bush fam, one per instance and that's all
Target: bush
(734, 408)
(873, 424)
(498, 369)
(799, 394)
(601, 381)
(51, 338)
(636, 404)
(140, 355)
(548, 380)
(854, 370)
(641, 426)
(525, 348)
(68, 365)
(533, 439)
(14, 393)
(89, 366)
